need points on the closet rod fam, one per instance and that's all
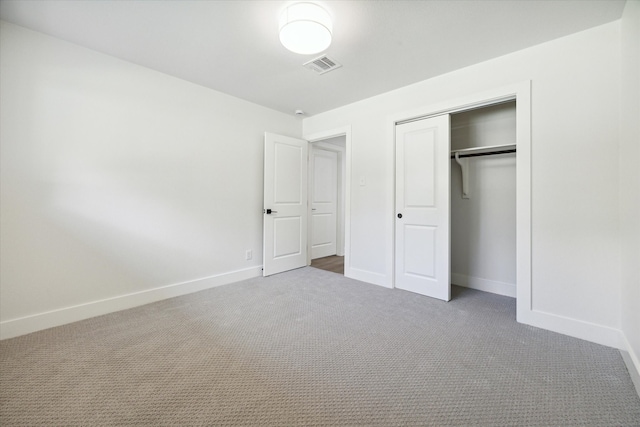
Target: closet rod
(484, 151)
(462, 156)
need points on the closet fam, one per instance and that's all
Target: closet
(456, 201)
(483, 221)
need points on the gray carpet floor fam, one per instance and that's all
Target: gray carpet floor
(310, 347)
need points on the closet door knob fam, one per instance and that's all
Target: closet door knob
(399, 215)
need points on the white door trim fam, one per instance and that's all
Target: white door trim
(521, 92)
(318, 136)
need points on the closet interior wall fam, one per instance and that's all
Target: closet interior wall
(483, 227)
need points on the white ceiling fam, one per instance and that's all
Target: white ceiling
(233, 46)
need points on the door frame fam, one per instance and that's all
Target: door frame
(521, 93)
(346, 187)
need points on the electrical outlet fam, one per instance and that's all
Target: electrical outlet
(248, 255)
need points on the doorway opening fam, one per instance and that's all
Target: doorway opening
(286, 208)
(326, 227)
(483, 199)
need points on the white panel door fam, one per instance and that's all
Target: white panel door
(422, 207)
(324, 202)
(285, 204)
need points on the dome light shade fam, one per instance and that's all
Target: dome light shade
(305, 28)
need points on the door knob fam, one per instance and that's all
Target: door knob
(269, 211)
(399, 215)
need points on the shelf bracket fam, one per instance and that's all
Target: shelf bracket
(464, 167)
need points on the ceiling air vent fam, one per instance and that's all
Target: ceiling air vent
(322, 65)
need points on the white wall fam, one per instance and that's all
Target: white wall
(575, 104)
(483, 226)
(117, 181)
(630, 178)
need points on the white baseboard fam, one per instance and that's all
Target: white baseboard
(37, 322)
(367, 276)
(599, 334)
(632, 360)
(493, 286)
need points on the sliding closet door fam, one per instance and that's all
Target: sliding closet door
(422, 207)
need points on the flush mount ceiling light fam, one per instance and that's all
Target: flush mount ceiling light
(305, 28)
